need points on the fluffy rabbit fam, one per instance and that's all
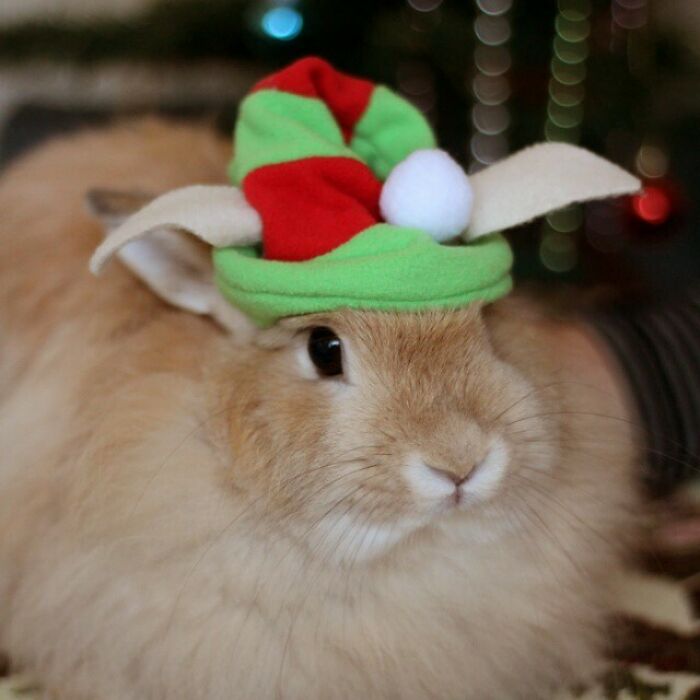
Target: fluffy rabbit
(191, 514)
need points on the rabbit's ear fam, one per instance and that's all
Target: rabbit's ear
(157, 240)
(114, 207)
(216, 214)
(539, 180)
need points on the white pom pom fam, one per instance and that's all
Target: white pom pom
(430, 191)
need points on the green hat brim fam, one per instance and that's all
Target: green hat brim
(384, 268)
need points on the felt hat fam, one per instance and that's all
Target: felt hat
(341, 200)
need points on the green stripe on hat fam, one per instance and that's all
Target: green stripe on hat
(384, 268)
(276, 127)
(389, 130)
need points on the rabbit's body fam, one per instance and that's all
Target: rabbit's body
(186, 518)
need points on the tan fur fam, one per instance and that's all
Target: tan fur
(184, 518)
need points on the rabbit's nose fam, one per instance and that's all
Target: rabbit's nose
(477, 476)
(430, 481)
(456, 477)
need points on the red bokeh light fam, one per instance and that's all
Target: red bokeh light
(652, 205)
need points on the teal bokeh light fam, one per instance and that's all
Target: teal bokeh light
(283, 23)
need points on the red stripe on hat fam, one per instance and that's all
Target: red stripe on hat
(347, 97)
(311, 206)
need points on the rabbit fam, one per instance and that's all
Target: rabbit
(348, 504)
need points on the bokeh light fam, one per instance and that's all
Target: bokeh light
(558, 249)
(282, 23)
(652, 205)
(651, 162)
(490, 85)
(425, 5)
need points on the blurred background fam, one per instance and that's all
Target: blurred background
(621, 77)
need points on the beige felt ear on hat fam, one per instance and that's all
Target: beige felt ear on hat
(216, 214)
(538, 180)
(156, 240)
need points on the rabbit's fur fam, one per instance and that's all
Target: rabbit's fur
(184, 517)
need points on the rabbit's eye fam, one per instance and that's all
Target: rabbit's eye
(326, 351)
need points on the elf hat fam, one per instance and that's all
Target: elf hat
(344, 201)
